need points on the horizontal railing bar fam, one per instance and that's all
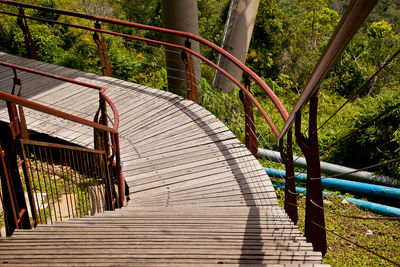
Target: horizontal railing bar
(99, 88)
(237, 62)
(51, 111)
(355, 14)
(55, 145)
(269, 121)
(52, 76)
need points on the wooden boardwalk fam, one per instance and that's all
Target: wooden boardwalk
(197, 195)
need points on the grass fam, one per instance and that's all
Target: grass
(380, 236)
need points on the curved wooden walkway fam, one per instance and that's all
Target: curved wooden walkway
(197, 196)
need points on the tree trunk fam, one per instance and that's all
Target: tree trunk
(180, 15)
(237, 41)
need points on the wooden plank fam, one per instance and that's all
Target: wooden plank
(228, 163)
(176, 120)
(217, 139)
(175, 154)
(180, 160)
(167, 116)
(181, 133)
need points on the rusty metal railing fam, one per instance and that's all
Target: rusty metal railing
(66, 181)
(247, 99)
(352, 19)
(189, 36)
(188, 56)
(60, 181)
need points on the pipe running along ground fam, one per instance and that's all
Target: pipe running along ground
(350, 186)
(371, 206)
(343, 172)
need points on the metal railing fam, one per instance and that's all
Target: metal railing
(66, 181)
(188, 55)
(57, 181)
(351, 21)
(253, 134)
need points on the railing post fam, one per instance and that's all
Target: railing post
(9, 203)
(13, 192)
(22, 120)
(314, 215)
(101, 46)
(101, 142)
(25, 157)
(290, 182)
(101, 137)
(190, 79)
(250, 128)
(27, 35)
(121, 181)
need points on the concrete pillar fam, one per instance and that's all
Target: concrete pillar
(237, 40)
(180, 15)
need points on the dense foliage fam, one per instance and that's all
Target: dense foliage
(288, 38)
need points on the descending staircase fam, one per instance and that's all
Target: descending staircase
(164, 236)
(197, 195)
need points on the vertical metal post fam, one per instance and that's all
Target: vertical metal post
(104, 121)
(290, 182)
(15, 191)
(28, 185)
(22, 120)
(108, 185)
(121, 181)
(190, 79)
(27, 35)
(104, 162)
(250, 128)
(101, 139)
(314, 215)
(10, 210)
(101, 46)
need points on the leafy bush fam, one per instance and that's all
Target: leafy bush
(378, 141)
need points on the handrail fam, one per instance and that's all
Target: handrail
(256, 103)
(55, 145)
(239, 64)
(355, 14)
(50, 75)
(51, 111)
(67, 116)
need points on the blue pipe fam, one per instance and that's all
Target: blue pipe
(374, 207)
(350, 186)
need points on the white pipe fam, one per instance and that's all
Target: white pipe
(180, 15)
(333, 169)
